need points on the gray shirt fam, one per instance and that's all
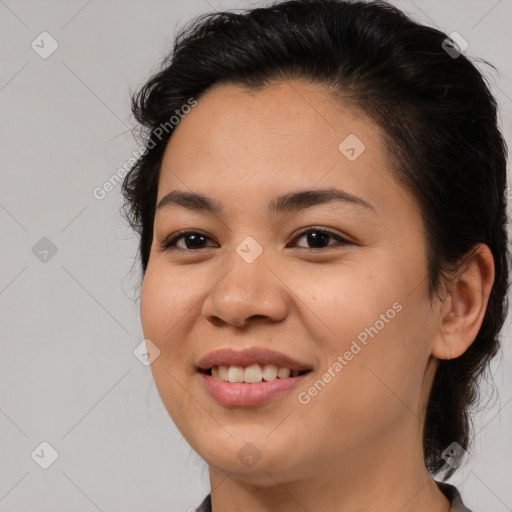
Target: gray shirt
(448, 490)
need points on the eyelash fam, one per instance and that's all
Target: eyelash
(168, 244)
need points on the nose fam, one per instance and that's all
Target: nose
(246, 292)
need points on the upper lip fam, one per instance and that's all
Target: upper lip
(248, 356)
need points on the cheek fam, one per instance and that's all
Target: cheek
(153, 302)
(363, 389)
(166, 310)
(385, 364)
(166, 298)
(343, 304)
(369, 330)
(164, 304)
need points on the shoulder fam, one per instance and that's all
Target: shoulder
(206, 505)
(453, 494)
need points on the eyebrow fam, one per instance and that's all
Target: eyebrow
(286, 203)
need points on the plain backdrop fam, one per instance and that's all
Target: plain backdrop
(68, 281)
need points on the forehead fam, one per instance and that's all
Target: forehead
(246, 144)
(290, 110)
(287, 120)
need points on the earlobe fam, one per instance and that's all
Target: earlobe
(463, 311)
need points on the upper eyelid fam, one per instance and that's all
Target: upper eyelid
(177, 236)
(319, 228)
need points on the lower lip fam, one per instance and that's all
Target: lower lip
(235, 394)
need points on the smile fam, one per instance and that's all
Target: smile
(252, 373)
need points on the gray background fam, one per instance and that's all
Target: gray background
(69, 325)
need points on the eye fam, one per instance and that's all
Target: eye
(194, 239)
(319, 238)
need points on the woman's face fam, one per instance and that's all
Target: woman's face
(355, 312)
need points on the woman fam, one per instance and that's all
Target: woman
(321, 209)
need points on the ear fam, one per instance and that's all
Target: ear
(463, 311)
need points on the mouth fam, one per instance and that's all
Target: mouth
(236, 391)
(253, 373)
(250, 376)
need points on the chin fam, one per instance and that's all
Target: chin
(246, 458)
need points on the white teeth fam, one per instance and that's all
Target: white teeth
(283, 373)
(236, 374)
(223, 372)
(252, 374)
(270, 372)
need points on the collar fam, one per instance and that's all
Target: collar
(450, 491)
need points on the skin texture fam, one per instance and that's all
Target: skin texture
(356, 445)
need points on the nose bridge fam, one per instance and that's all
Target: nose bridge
(248, 287)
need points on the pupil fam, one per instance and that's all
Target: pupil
(316, 236)
(194, 240)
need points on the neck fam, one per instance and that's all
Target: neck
(390, 475)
